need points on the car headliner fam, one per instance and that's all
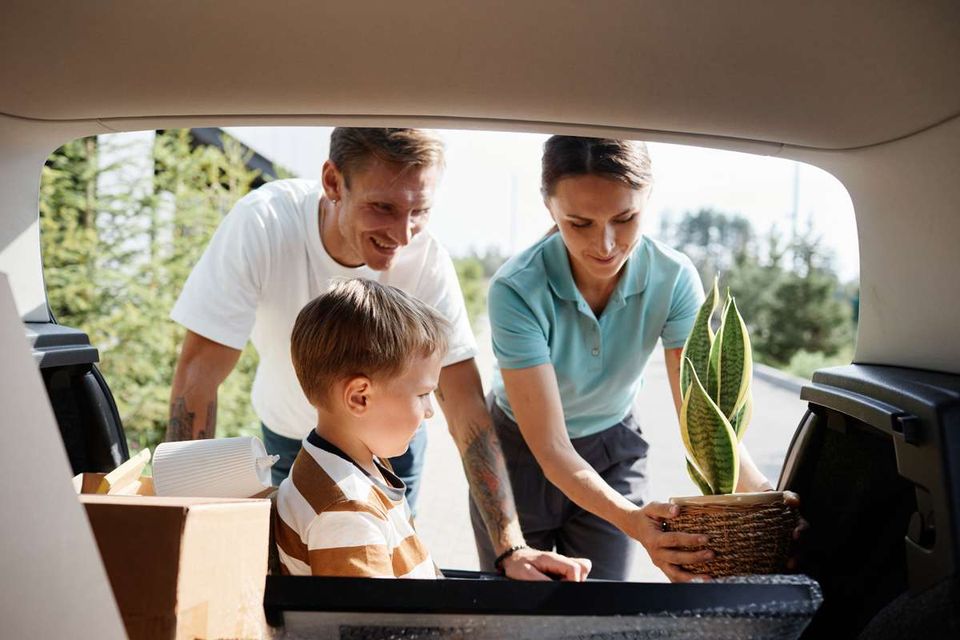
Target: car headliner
(868, 90)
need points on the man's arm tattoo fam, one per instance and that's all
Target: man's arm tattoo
(181, 422)
(209, 429)
(180, 426)
(490, 487)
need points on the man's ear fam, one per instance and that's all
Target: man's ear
(356, 395)
(332, 180)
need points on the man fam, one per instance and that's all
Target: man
(279, 248)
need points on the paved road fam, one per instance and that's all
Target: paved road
(443, 520)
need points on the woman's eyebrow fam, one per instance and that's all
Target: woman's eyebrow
(626, 211)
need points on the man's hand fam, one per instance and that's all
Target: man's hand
(665, 547)
(536, 565)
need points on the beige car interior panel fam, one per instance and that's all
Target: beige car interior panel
(822, 73)
(906, 195)
(54, 583)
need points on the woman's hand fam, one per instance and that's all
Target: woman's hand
(791, 499)
(664, 547)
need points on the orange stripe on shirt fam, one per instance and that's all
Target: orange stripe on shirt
(289, 540)
(408, 555)
(357, 562)
(356, 506)
(313, 483)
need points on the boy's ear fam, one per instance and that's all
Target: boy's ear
(356, 395)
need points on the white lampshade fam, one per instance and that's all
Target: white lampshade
(217, 468)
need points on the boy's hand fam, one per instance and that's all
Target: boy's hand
(533, 564)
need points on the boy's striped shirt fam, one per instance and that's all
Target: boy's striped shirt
(336, 520)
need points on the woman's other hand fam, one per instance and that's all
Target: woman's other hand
(791, 499)
(666, 547)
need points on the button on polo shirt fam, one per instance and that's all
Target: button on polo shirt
(538, 316)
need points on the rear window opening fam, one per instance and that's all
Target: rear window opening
(124, 218)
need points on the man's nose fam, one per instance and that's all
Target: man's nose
(403, 232)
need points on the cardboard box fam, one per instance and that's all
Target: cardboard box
(90, 482)
(184, 567)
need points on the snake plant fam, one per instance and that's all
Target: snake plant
(715, 375)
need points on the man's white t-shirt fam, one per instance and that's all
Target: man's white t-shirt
(266, 261)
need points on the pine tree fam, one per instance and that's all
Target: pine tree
(117, 252)
(788, 293)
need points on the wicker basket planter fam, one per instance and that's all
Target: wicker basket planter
(749, 533)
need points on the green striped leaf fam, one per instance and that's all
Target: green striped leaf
(712, 381)
(697, 348)
(698, 480)
(684, 433)
(742, 419)
(710, 439)
(734, 362)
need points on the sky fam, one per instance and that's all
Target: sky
(490, 193)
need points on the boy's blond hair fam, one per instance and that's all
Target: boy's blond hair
(361, 327)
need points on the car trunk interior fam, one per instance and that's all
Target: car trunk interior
(876, 459)
(871, 458)
(865, 91)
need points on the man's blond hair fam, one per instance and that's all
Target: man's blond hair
(361, 327)
(351, 148)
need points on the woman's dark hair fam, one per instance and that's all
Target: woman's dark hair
(623, 160)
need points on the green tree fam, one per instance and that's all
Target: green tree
(808, 312)
(473, 284)
(68, 210)
(491, 259)
(117, 252)
(713, 240)
(788, 293)
(474, 272)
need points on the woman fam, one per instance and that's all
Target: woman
(574, 319)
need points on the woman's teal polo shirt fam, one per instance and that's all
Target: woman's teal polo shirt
(538, 316)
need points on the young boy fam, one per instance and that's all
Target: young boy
(367, 356)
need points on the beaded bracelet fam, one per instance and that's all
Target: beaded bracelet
(498, 563)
